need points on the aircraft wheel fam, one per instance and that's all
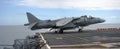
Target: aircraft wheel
(55, 32)
(79, 30)
(61, 31)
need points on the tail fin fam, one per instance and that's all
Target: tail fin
(31, 18)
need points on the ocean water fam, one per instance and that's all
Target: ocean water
(9, 33)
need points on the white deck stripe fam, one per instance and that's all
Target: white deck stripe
(101, 44)
(46, 45)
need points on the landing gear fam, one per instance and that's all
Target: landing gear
(80, 29)
(55, 32)
(60, 31)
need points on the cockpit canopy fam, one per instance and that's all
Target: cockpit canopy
(86, 16)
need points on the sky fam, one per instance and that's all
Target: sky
(13, 12)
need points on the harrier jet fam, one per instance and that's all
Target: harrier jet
(61, 24)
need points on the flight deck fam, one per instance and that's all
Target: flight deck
(84, 39)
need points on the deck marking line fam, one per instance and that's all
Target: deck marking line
(47, 46)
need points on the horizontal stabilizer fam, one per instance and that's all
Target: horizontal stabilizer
(31, 26)
(26, 24)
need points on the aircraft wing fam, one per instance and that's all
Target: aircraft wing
(64, 22)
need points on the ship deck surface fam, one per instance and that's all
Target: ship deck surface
(76, 39)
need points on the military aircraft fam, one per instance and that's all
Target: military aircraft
(61, 24)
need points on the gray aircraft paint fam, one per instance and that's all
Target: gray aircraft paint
(64, 23)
